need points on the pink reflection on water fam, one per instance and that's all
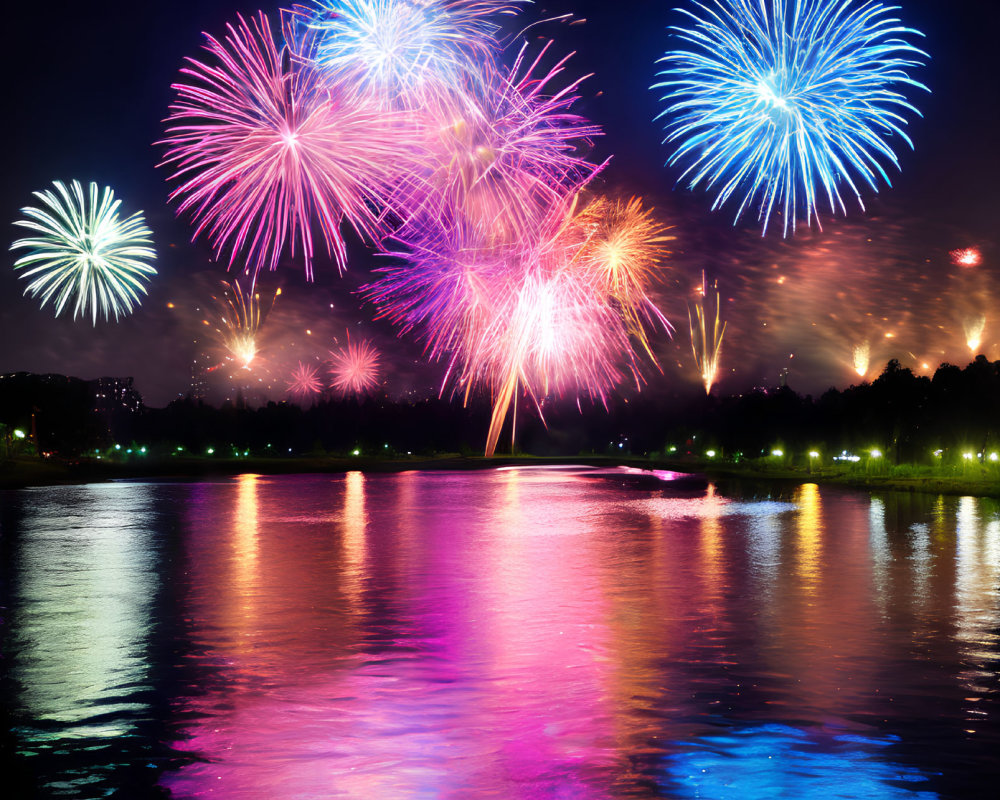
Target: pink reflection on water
(470, 660)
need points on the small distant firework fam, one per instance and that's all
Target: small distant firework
(706, 334)
(974, 327)
(399, 51)
(861, 358)
(305, 381)
(263, 151)
(777, 103)
(356, 368)
(966, 257)
(80, 249)
(241, 316)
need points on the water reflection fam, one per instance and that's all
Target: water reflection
(86, 578)
(517, 634)
(781, 761)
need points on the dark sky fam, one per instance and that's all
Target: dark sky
(88, 85)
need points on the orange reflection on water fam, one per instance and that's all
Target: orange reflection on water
(243, 537)
(809, 536)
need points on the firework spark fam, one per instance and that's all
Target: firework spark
(779, 103)
(241, 316)
(966, 257)
(861, 358)
(81, 249)
(706, 336)
(305, 381)
(356, 368)
(262, 151)
(400, 52)
(974, 328)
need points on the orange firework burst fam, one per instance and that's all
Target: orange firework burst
(966, 257)
(624, 248)
(356, 368)
(241, 316)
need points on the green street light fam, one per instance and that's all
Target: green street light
(813, 454)
(876, 453)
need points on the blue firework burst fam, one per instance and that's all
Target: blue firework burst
(780, 104)
(400, 49)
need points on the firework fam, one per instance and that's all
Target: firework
(966, 257)
(624, 249)
(861, 358)
(506, 156)
(706, 337)
(262, 151)
(399, 52)
(81, 249)
(241, 315)
(777, 103)
(356, 368)
(305, 381)
(974, 328)
(550, 316)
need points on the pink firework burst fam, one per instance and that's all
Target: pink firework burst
(966, 257)
(262, 151)
(305, 381)
(556, 316)
(506, 156)
(355, 369)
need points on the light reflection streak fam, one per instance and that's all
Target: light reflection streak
(86, 582)
(977, 605)
(355, 522)
(881, 555)
(244, 534)
(809, 537)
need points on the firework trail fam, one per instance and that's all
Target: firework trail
(974, 328)
(305, 381)
(81, 249)
(241, 316)
(401, 53)
(355, 369)
(778, 103)
(261, 152)
(706, 335)
(861, 358)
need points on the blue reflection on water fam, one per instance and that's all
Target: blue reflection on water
(781, 761)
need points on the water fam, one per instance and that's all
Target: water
(503, 634)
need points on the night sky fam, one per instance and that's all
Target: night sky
(88, 85)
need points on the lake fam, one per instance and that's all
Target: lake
(515, 633)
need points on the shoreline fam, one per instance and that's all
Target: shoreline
(29, 473)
